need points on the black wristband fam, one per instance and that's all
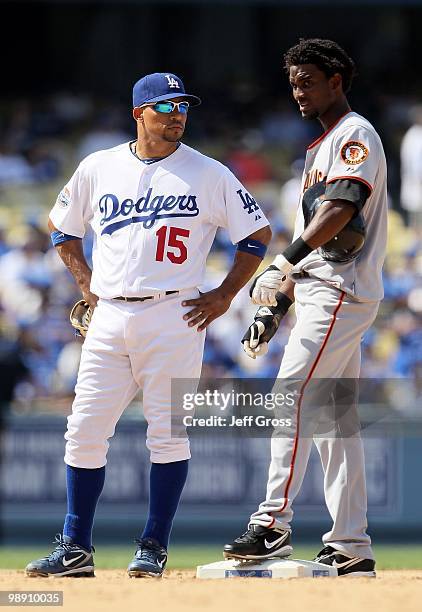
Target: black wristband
(297, 251)
(271, 317)
(283, 303)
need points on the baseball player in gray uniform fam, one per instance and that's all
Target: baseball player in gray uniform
(154, 205)
(332, 271)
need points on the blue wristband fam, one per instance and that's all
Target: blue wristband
(254, 247)
(58, 237)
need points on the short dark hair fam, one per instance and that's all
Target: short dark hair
(326, 54)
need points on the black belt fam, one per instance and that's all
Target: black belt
(141, 299)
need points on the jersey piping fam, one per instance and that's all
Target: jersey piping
(321, 138)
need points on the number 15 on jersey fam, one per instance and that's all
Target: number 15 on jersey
(170, 244)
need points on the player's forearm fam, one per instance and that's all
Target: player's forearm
(329, 220)
(245, 265)
(71, 253)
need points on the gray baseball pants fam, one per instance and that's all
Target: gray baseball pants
(324, 345)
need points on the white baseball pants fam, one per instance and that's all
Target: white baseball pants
(132, 345)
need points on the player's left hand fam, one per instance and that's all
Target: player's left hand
(80, 317)
(208, 307)
(266, 323)
(253, 345)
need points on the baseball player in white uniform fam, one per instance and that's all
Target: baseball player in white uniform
(154, 206)
(332, 271)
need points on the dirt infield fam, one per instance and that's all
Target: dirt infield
(180, 591)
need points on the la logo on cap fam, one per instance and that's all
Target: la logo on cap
(161, 86)
(172, 82)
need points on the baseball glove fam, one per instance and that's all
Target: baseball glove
(80, 317)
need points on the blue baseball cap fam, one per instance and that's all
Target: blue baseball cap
(160, 86)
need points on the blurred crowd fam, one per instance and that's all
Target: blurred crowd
(40, 145)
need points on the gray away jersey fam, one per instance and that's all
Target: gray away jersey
(351, 149)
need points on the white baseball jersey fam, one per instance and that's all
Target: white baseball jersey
(351, 149)
(153, 224)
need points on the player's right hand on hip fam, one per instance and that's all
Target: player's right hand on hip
(90, 298)
(266, 285)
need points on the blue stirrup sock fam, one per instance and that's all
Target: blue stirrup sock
(166, 484)
(84, 488)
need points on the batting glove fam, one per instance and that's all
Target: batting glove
(268, 283)
(266, 322)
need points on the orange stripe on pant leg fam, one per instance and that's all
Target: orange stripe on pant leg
(308, 378)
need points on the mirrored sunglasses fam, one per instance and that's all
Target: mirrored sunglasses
(168, 107)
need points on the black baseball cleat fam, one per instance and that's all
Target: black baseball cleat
(66, 560)
(346, 565)
(149, 561)
(259, 543)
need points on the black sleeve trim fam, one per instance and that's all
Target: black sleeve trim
(355, 192)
